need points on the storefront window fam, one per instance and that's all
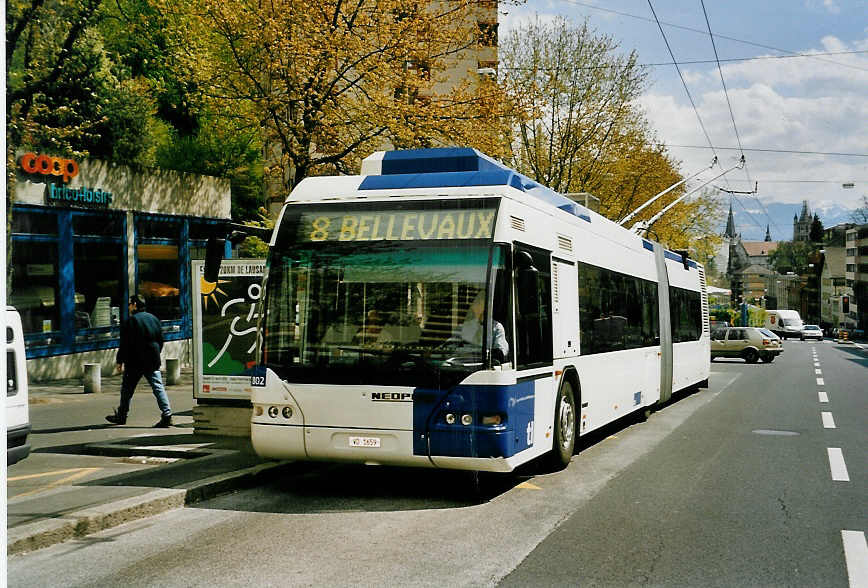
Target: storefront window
(99, 288)
(98, 225)
(39, 223)
(34, 289)
(158, 266)
(159, 274)
(157, 228)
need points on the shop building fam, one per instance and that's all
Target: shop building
(85, 235)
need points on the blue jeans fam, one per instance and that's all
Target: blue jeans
(128, 386)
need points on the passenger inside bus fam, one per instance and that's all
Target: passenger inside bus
(374, 332)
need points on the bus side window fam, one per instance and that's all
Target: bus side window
(533, 306)
(502, 302)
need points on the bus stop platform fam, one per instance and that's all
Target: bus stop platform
(84, 475)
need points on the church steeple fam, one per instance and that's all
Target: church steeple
(802, 224)
(730, 224)
(768, 234)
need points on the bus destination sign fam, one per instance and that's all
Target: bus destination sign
(397, 225)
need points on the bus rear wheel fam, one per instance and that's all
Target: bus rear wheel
(565, 428)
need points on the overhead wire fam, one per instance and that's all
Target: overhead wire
(685, 62)
(729, 104)
(687, 90)
(760, 150)
(749, 213)
(701, 32)
(722, 81)
(731, 114)
(681, 77)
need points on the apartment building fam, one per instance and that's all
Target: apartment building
(854, 299)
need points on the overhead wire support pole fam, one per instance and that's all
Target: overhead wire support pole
(644, 226)
(630, 216)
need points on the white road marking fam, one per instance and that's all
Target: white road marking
(816, 364)
(856, 556)
(818, 372)
(821, 382)
(837, 465)
(823, 397)
(727, 385)
(828, 420)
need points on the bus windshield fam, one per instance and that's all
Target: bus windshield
(389, 313)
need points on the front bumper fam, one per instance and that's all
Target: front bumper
(17, 447)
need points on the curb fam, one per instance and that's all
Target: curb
(39, 534)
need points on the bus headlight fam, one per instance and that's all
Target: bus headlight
(449, 418)
(287, 412)
(272, 412)
(466, 420)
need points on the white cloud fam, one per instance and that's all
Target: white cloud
(795, 104)
(831, 6)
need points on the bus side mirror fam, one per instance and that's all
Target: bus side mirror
(213, 258)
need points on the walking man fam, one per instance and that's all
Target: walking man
(139, 356)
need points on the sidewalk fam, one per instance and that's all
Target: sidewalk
(85, 475)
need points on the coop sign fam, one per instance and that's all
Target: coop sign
(48, 165)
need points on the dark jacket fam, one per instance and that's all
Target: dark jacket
(141, 343)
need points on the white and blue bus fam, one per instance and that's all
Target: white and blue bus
(442, 310)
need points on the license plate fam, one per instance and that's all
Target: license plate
(364, 441)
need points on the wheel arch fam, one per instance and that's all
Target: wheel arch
(571, 375)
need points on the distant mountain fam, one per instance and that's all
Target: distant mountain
(751, 220)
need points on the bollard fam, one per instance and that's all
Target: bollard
(92, 381)
(173, 370)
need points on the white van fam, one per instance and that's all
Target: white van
(784, 323)
(17, 410)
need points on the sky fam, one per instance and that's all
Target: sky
(813, 104)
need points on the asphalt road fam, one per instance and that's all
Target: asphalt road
(730, 486)
(742, 494)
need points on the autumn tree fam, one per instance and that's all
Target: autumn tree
(328, 82)
(791, 256)
(65, 94)
(577, 128)
(572, 95)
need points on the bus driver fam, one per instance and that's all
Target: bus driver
(470, 330)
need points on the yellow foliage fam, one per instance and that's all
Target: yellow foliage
(329, 82)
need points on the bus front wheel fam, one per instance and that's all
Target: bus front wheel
(565, 427)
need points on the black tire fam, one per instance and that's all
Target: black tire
(767, 357)
(750, 355)
(564, 428)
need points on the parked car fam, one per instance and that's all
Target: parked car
(749, 343)
(812, 332)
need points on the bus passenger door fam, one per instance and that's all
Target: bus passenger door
(533, 346)
(565, 307)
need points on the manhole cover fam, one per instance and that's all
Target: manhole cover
(775, 432)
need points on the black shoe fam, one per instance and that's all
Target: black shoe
(116, 419)
(164, 422)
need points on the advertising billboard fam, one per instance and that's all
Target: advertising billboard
(225, 329)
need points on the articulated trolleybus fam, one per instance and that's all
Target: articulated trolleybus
(442, 310)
